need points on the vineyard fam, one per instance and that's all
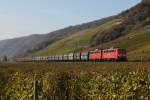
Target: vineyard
(75, 81)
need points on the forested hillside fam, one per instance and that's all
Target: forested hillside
(129, 29)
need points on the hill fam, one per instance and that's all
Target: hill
(13, 47)
(21, 46)
(129, 29)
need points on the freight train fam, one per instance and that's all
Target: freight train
(114, 54)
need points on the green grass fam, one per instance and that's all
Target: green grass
(136, 42)
(77, 42)
(58, 67)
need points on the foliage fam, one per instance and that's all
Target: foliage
(118, 83)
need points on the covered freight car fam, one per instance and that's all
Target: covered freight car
(84, 56)
(65, 57)
(70, 56)
(77, 56)
(60, 57)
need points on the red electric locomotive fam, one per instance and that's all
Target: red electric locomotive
(117, 54)
(95, 55)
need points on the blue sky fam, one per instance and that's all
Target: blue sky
(25, 17)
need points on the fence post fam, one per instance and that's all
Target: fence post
(35, 90)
